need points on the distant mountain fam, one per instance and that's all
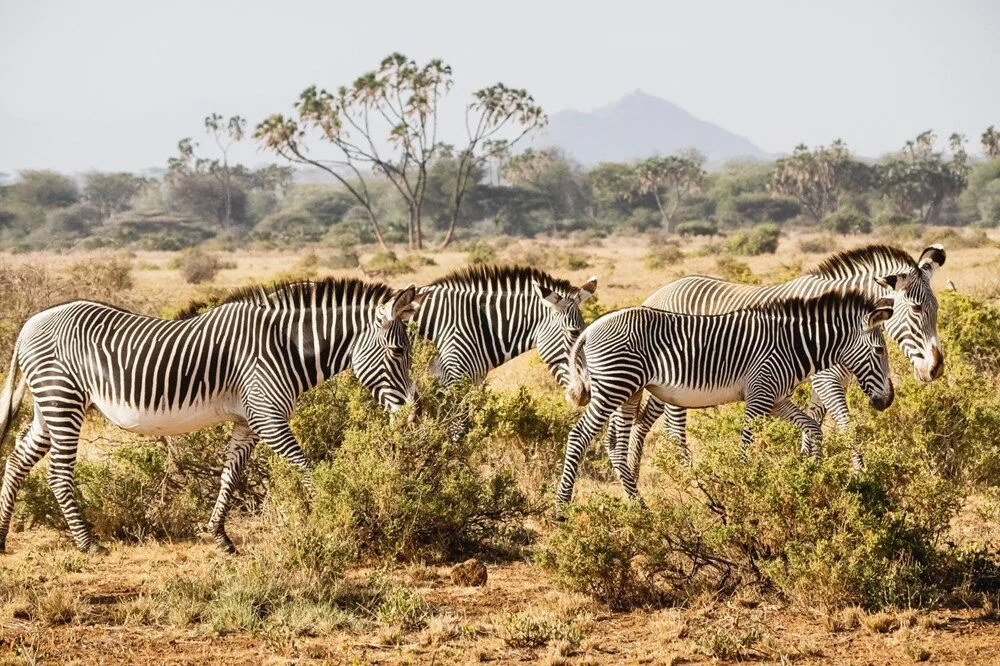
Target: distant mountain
(640, 125)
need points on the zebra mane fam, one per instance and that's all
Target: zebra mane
(516, 276)
(289, 294)
(863, 259)
(845, 298)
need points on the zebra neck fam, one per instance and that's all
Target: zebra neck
(319, 341)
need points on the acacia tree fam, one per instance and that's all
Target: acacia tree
(613, 182)
(111, 192)
(669, 180)
(225, 133)
(492, 110)
(991, 142)
(919, 180)
(394, 105)
(820, 179)
(386, 123)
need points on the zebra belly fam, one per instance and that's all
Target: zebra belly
(694, 397)
(168, 422)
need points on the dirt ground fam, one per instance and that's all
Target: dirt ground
(464, 626)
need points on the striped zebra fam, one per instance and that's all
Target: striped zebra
(483, 316)
(244, 361)
(757, 354)
(877, 270)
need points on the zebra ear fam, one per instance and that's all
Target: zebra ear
(881, 314)
(931, 259)
(549, 297)
(410, 311)
(891, 282)
(586, 291)
(402, 300)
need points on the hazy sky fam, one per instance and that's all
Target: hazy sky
(114, 84)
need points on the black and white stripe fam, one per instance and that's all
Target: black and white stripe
(876, 270)
(481, 317)
(756, 354)
(244, 361)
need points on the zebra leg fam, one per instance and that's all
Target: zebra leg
(811, 432)
(277, 434)
(831, 386)
(64, 424)
(641, 425)
(241, 445)
(622, 422)
(675, 425)
(580, 437)
(29, 449)
(758, 405)
(817, 412)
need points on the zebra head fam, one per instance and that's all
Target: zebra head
(866, 357)
(914, 320)
(381, 356)
(561, 325)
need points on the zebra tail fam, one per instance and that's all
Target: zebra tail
(10, 399)
(578, 386)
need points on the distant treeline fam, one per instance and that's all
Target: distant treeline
(393, 180)
(538, 192)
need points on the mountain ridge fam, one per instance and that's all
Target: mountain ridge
(640, 125)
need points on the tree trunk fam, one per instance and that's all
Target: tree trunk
(376, 229)
(663, 213)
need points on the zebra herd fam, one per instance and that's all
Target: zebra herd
(697, 342)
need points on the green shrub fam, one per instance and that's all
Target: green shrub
(822, 244)
(482, 253)
(970, 329)
(761, 239)
(621, 553)
(533, 629)
(399, 490)
(663, 256)
(814, 530)
(139, 491)
(387, 263)
(848, 221)
(735, 270)
(697, 228)
(343, 259)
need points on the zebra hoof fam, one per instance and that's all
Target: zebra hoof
(96, 549)
(225, 544)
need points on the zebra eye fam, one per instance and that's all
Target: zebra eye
(918, 309)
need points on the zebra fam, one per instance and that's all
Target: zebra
(483, 316)
(757, 354)
(245, 361)
(878, 270)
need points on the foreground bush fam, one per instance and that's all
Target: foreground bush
(818, 533)
(143, 491)
(395, 489)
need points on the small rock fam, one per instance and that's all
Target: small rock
(471, 573)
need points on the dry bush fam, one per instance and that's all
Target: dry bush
(666, 255)
(198, 266)
(821, 244)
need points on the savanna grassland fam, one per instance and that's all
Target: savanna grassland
(779, 560)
